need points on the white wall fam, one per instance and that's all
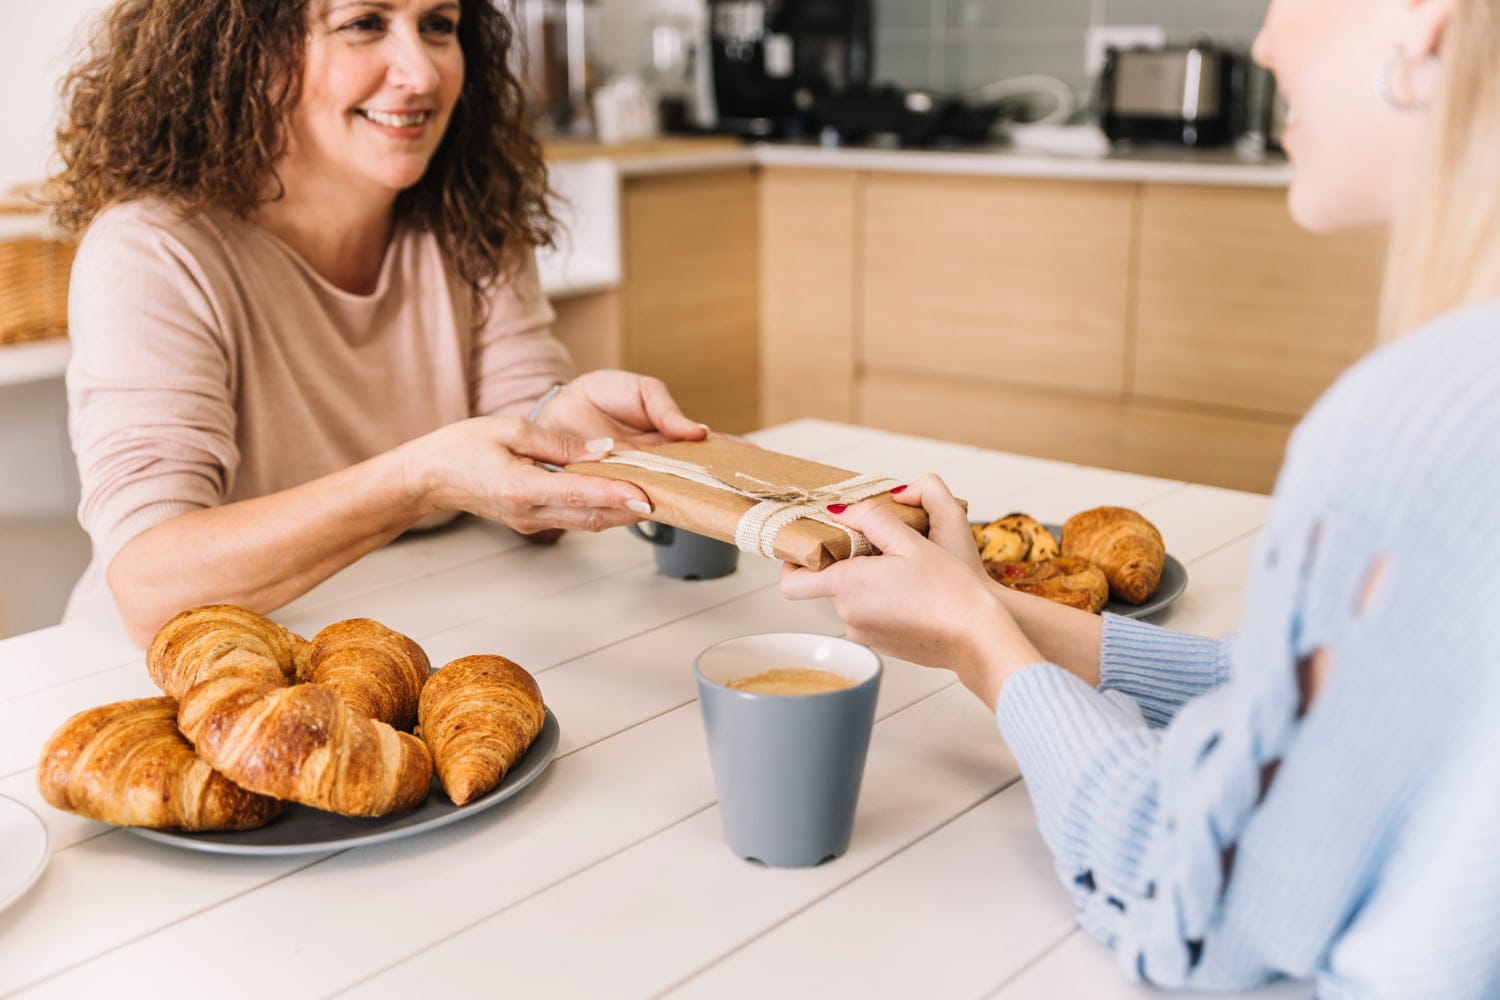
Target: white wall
(39, 40)
(625, 45)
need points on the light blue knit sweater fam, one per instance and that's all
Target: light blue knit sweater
(1373, 860)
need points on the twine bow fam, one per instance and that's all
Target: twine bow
(779, 504)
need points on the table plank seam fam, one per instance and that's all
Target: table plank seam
(1229, 544)
(1163, 495)
(455, 932)
(1036, 960)
(156, 930)
(428, 636)
(899, 850)
(92, 675)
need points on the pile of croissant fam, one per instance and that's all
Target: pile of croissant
(255, 716)
(1104, 552)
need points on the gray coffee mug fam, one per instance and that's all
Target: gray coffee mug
(787, 767)
(689, 556)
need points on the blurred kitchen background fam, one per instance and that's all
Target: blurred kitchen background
(1054, 227)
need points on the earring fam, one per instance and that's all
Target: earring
(1385, 84)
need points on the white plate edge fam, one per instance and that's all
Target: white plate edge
(45, 855)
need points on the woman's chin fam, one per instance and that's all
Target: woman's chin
(396, 178)
(1317, 207)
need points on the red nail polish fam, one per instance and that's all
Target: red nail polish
(898, 489)
(837, 508)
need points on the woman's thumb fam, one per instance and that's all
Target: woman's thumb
(555, 447)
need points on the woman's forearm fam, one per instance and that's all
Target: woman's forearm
(262, 553)
(1065, 636)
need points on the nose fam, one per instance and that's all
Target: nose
(1260, 50)
(412, 67)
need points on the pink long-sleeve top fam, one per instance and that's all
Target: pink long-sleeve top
(212, 364)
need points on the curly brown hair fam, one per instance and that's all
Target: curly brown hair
(187, 100)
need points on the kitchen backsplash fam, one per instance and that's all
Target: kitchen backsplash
(955, 45)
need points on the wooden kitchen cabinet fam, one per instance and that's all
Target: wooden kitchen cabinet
(1020, 419)
(691, 298)
(809, 282)
(1172, 330)
(1237, 307)
(1025, 282)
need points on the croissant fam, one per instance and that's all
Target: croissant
(378, 672)
(1065, 580)
(229, 669)
(127, 764)
(1122, 543)
(478, 715)
(220, 641)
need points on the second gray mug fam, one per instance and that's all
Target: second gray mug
(688, 556)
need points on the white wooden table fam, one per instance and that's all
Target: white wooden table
(608, 876)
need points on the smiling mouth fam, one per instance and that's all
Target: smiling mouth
(407, 119)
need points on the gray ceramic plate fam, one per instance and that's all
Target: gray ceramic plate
(1173, 583)
(302, 830)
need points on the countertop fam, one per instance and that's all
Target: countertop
(1073, 154)
(609, 875)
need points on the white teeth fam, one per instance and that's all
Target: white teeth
(395, 121)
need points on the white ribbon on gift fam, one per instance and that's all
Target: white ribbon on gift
(776, 505)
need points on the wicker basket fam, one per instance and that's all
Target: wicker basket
(34, 267)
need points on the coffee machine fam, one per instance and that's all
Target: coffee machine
(774, 59)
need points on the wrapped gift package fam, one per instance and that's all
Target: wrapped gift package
(761, 500)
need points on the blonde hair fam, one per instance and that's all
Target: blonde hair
(1445, 247)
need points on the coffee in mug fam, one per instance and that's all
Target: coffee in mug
(792, 681)
(788, 770)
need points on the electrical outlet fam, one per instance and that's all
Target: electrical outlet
(1117, 36)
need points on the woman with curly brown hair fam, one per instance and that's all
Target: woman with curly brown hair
(305, 311)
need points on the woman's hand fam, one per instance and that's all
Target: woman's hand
(922, 600)
(488, 466)
(947, 521)
(634, 410)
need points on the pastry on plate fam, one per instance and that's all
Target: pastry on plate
(127, 764)
(1074, 582)
(479, 714)
(1122, 543)
(1014, 538)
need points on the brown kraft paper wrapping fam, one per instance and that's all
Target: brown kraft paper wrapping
(717, 512)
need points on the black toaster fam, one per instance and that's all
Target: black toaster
(1187, 95)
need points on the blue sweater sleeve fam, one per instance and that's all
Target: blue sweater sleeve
(1157, 668)
(1138, 818)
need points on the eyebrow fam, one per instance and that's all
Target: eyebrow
(384, 5)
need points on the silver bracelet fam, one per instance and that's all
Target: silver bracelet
(543, 400)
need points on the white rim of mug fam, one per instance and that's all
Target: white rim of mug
(872, 679)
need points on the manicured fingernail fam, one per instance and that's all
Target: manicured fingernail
(837, 508)
(600, 445)
(898, 489)
(638, 506)
(704, 426)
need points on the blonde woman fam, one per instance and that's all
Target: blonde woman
(305, 312)
(1316, 796)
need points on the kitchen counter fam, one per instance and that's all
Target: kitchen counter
(1082, 159)
(609, 875)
